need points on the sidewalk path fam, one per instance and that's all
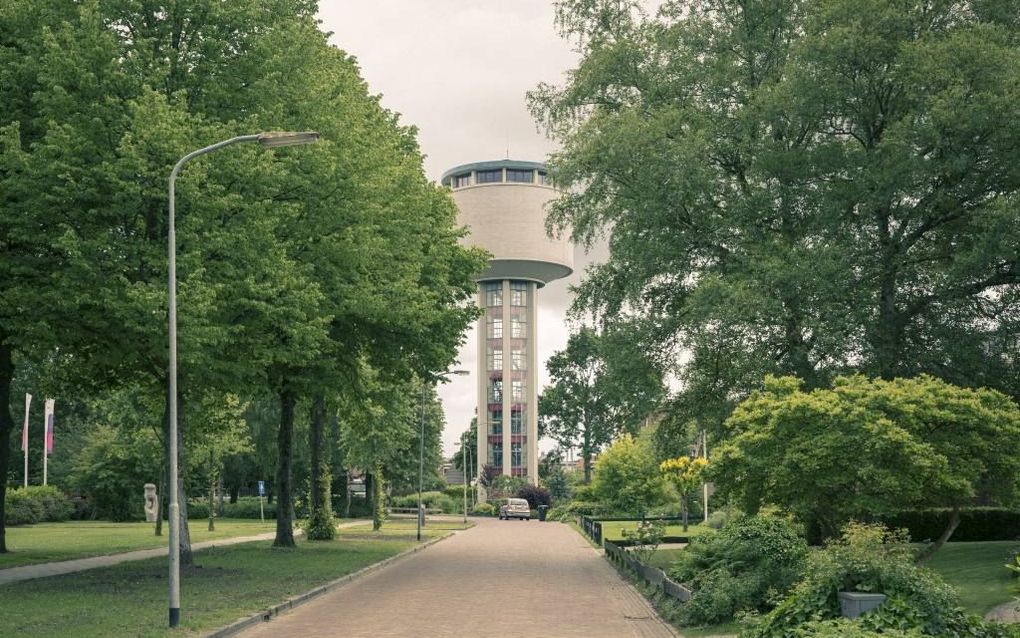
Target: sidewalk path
(42, 570)
(500, 578)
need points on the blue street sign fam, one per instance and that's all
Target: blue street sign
(262, 488)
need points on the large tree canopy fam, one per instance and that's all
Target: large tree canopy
(797, 187)
(298, 269)
(600, 389)
(866, 449)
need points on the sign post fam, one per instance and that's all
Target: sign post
(262, 491)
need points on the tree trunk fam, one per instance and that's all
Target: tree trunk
(347, 494)
(929, 551)
(212, 495)
(219, 493)
(235, 491)
(683, 507)
(285, 449)
(886, 336)
(6, 427)
(378, 502)
(586, 454)
(321, 524)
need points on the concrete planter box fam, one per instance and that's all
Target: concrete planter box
(854, 603)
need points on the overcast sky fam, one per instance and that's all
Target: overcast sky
(459, 71)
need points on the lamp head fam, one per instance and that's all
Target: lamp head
(274, 139)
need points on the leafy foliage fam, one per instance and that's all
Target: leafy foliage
(599, 389)
(644, 539)
(869, 448)
(684, 474)
(627, 478)
(874, 559)
(535, 495)
(795, 188)
(36, 504)
(747, 566)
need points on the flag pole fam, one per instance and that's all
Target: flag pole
(24, 436)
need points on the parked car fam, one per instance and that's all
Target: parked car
(515, 508)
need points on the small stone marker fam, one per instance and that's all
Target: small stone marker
(151, 503)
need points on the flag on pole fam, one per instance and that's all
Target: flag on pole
(49, 426)
(24, 430)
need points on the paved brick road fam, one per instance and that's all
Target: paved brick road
(501, 578)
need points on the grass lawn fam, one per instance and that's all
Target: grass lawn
(976, 571)
(47, 542)
(613, 530)
(664, 558)
(231, 582)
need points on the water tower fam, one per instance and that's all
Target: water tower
(502, 203)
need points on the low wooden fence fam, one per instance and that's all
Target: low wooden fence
(654, 576)
(593, 527)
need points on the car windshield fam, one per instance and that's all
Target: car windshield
(518, 502)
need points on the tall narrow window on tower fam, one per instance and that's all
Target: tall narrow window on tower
(518, 293)
(504, 212)
(493, 294)
(495, 359)
(518, 327)
(495, 327)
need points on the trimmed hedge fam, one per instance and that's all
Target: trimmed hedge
(976, 524)
(245, 507)
(456, 492)
(36, 504)
(431, 500)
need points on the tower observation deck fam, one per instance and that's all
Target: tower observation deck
(502, 203)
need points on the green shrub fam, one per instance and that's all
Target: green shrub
(534, 495)
(574, 509)
(245, 507)
(456, 494)
(871, 558)
(627, 477)
(431, 500)
(747, 566)
(112, 468)
(484, 509)
(504, 486)
(36, 504)
(844, 628)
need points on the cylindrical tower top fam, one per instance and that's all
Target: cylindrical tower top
(502, 203)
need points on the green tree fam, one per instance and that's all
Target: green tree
(108, 96)
(598, 391)
(627, 478)
(468, 443)
(685, 475)
(795, 188)
(869, 448)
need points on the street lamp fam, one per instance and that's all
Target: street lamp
(442, 376)
(267, 140)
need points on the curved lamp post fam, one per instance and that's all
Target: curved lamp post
(268, 140)
(443, 376)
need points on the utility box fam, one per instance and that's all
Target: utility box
(854, 603)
